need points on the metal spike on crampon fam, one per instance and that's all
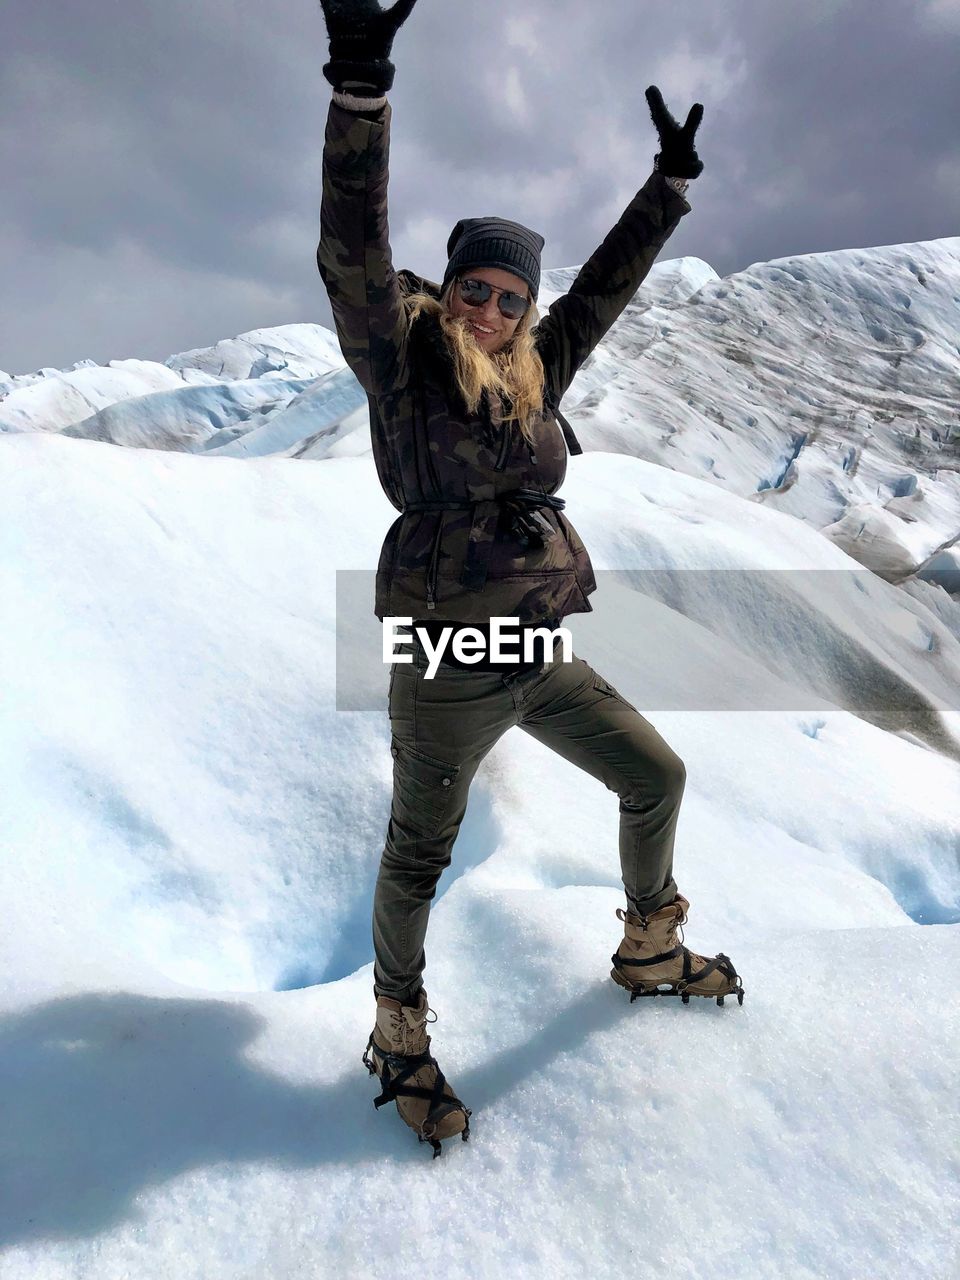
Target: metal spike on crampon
(679, 988)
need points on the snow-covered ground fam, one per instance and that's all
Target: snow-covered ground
(191, 828)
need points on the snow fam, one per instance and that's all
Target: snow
(196, 785)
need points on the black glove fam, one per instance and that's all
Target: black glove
(676, 157)
(361, 36)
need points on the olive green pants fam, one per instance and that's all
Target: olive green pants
(443, 727)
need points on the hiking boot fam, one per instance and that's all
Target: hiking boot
(651, 962)
(398, 1051)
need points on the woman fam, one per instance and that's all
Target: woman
(463, 381)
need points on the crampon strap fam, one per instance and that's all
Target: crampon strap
(721, 962)
(619, 960)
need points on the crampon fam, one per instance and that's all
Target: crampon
(679, 987)
(652, 960)
(395, 1072)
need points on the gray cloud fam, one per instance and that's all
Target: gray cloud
(162, 163)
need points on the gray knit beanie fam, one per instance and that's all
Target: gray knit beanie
(495, 242)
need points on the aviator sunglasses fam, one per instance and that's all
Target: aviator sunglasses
(476, 292)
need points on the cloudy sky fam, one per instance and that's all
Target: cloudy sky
(161, 162)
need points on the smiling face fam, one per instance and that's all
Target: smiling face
(488, 317)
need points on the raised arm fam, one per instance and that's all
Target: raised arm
(353, 255)
(611, 276)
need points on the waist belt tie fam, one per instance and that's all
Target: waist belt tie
(526, 524)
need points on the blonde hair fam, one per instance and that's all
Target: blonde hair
(514, 372)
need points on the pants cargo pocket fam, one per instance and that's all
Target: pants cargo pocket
(423, 788)
(606, 687)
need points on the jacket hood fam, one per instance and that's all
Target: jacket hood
(410, 282)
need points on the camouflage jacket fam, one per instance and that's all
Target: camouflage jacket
(466, 551)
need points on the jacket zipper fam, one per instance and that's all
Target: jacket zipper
(431, 466)
(505, 432)
(504, 445)
(434, 566)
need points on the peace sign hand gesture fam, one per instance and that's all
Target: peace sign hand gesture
(361, 37)
(676, 157)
